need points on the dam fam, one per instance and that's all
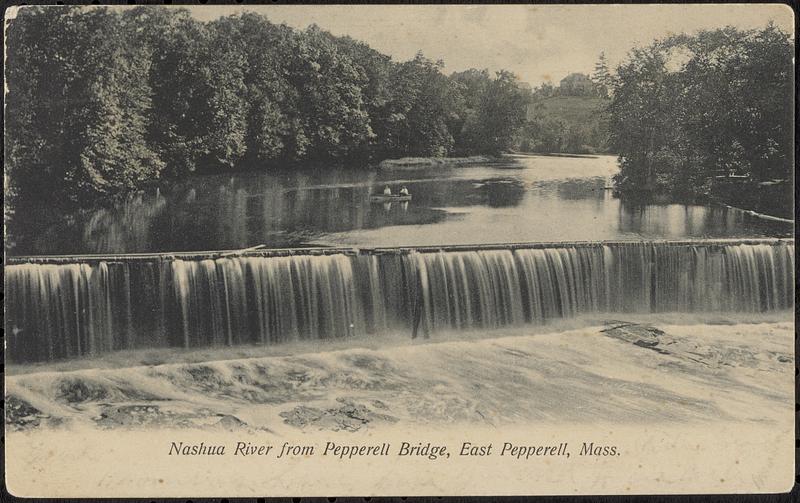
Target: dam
(73, 306)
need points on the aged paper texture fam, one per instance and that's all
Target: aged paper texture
(399, 250)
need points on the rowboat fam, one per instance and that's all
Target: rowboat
(380, 198)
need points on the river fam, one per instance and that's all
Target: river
(523, 198)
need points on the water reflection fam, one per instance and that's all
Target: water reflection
(540, 199)
(111, 230)
(677, 221)
(501, 193)
(585, 188)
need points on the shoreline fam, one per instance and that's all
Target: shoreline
(426, 162)
(756, 214)
(566, 154)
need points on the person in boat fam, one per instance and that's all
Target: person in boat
(404, 191)
(387, 191)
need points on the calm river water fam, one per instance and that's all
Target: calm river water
(527, 198)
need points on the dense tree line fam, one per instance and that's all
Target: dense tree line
(551, 134)
(102, 101)
(690, 113)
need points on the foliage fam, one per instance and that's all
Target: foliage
(101, 100)
(77, 109)
(688, 111)
(566, 124)
(601, 77)
(494, 111)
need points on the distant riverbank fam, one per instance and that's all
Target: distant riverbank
(423, 162)
(564, 154)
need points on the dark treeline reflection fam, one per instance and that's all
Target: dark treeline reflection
(481, 204)
(678, 220)
(228, 212)
(583, 188)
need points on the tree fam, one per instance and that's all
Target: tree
(688, 109)
(495, 111)
(102, 101)
(79, 111)
(602, 76)
(268, 97)
(115, 155)
(376, 91)
(544, 91)
(422, 109)
(224, 90)
(179, 127)
(332, 109)
(468, 131)
(502, 112)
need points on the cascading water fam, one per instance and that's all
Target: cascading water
(56, 311)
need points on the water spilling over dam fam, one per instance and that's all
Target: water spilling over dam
(68, 307)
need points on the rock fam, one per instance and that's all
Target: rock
(349, 416)
(130, 415)
(301, 416)
(230, 423)
(20, 415)
(640, 335)
(75, 391)
(692, 352)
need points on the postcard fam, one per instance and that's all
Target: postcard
(399, 250)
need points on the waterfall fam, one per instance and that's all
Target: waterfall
(57, 311)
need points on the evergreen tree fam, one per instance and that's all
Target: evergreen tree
(602, 76)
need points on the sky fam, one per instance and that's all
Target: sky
(537, 42)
